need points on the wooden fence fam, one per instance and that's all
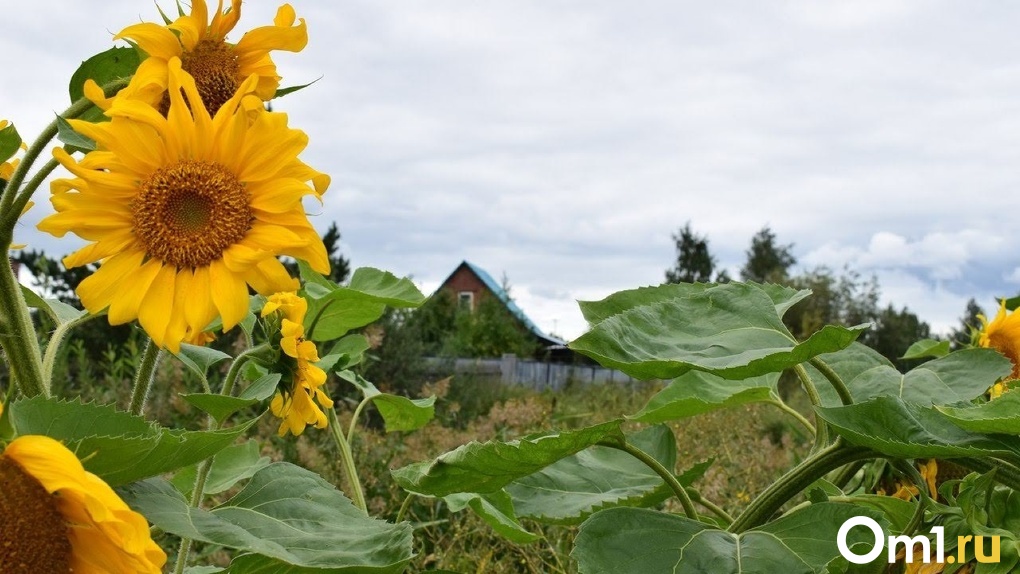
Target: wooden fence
(536, 375)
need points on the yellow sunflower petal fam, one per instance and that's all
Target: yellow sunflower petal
(266, 38)
(229, 294)
(157, 307)
(156, 40)
(97, 291)
(133, 288)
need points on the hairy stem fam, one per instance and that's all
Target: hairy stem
(795, 481)
(198, 491)
(144, 376)
(821, 427)
(665, 473)
(834, 379)
(18, 337)
(781, 405)
(347, 459)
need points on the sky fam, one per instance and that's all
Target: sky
(560, 143)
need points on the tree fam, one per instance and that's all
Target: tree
(339, 266)
(767, 262)
(846, 300)
(894, 332)
(970, 323)
(694, 263)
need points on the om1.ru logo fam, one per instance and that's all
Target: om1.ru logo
(909, 544)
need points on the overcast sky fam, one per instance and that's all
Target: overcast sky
(562, 142)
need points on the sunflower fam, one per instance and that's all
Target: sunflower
(296, 405)
(185, 212)
(57, 517)
(1003, 335)
(218, 67)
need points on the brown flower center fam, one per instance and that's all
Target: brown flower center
(33, 534)
(187, 214)
(215, 68)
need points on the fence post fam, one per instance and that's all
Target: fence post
(508, 368)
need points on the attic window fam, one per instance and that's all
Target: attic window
(466, 300)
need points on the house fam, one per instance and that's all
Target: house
(469, 284)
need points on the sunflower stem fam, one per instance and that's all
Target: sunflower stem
(821, 427)
(54, 344)
(662, 471)
(781, 405)
(795, 481)
(347, 458)
(18, 337)
(144, 376)
(834, 379)
(198, 491)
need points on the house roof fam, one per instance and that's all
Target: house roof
(498, 291)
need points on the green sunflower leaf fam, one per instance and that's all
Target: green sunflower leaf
(200, 359)
(334, 311)
(60, 312)
(280, 92)
(732, 330)
(286, 519)
(959, 376)
(399, 413)
(10, 142)
(927, 348)
(1001, 415)
(230, 466)
(497, 510)
(67, 135)
(903, 430)
(115, 445)
(572, 488)
(697, 392)
(105, 67)
(651, 542)
(487, 467)
(596, 311)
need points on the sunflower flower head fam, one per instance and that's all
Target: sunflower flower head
(219, 67)
(1002, 334)
(57, 517)
(297, 403)
(185, 212)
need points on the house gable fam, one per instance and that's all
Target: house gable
(469, 284)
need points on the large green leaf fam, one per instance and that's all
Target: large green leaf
(697, 392)
(731, 330)
(117, 446)
(959, 376)
(334, 311)
(230, 466)
(60, 312)
(903, 430)
(572, 488)
(496, 509)
(386, 287)
(286, 514)
(487, 467)
(848, 364)
(596, 311)
(10, 142)
(399, 413)
(628, 540)
(103, 68)
(1001, 415)
(926, 348)
(220, 406)
(199, 359)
